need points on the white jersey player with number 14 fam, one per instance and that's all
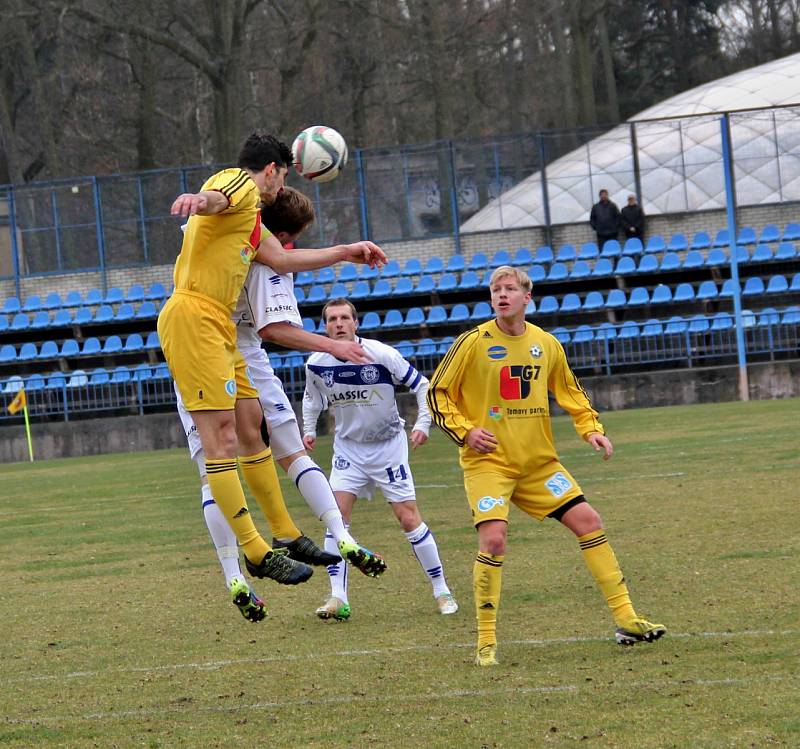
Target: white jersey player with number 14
(370, 448)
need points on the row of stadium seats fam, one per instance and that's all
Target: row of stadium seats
(92, 298)
(105, 313)
(70, 348)
(79, 377)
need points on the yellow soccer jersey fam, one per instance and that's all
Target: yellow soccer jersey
(500, 382)
(217, 249)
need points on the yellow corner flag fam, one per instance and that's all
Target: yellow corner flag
(20, 403)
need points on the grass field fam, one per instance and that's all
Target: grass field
(117, 631)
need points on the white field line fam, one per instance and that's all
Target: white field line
(234, 662)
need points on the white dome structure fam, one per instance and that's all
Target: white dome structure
(679, 156)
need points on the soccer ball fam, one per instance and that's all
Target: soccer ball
(319, 153)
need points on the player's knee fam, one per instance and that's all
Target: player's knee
(408, 516)
(492, 537)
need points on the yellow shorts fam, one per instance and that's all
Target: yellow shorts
(538, 493)
(199, 342)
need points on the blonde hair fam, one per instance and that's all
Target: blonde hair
(523, 279)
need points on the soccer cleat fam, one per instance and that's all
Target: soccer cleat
(251, 606)
(639, 630)
(370, 563)
(277, 566)
(487, 655)
(447, 604)
(303, 549)
(334, 608)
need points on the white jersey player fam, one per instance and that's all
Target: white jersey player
(370, 449)
(267, 309)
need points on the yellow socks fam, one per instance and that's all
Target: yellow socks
(260, 475)
(223, 480)
(487, 576)
(602, 563)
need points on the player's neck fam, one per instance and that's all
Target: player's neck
(511, 325)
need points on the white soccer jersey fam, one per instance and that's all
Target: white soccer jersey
(362, 396)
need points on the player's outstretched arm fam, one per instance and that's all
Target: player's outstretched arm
(601, 442)
(204, 203)
(290, 336)
(271, 253)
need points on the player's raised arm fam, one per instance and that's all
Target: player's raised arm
(289, 336)
(271, 253)
(204, 203)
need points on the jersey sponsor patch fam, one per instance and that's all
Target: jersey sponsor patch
(558, 484)
(495, 412)
(536, 351)
(369, 374)
(497, 352)
(487, 334)
(230, 387)
(485, 504)
(340, 463)
(515, 381)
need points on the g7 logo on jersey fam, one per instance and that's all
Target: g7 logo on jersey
(515, 381)
(487, 503)
(558, 484)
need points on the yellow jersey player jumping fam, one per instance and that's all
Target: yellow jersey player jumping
(490, 396)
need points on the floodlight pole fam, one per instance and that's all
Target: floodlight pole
(730, 202)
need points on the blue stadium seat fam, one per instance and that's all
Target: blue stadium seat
(406, 349)
(670, 261)
(41, 320)
(611, 248)
(114, 295)
(639, 297)
(316, 294)
(530, 308)
(152, 341)
(748, 318)
(142, 372)
(722, 321)
(648, 264)
(677, 243)
(434, 264)
(698, 324)
(161, 372)
(425, 285)
(459, 313)
(547, 305)
(77, 378)
(753, 286)
(447, 282)
(93, 297)
(299, 294)
(562, 334)
(580, 269)
(120, 375)
(727, 288)
(370, 321)
(544, 255)
(722, 239)
(445, 344)
(747, 235)
(795, 285)
(589, 251)
(326, 275)
(125, 312)
(360, 290)
(321, 327)
(56, 382)
(391, 269)
(478, 261)
(684, 292)
(777, 285)
(501, 257)
(662, 294)
(469, 280)
(615, 299)
(146, 311)
(3, 323)
(20, 321)
(304, 278)
(791, 232)
(603, 267)
(27, 352)
(583, 334)
(381, 289)
(656, 244)
(403, 287)
(676, 325)
(632, 246)
(716, 257)
(628, 329)
(413, 267)
(49, 350)
(156, 292)
(761, 254)
(135, 293)
(768, 316)
(70, 347)
(707, 290)
(338, 290)
(436, 315)
(369, 274)
(522, 256)
(91, 346)
(32, 304)
(770, 233)
(455, 264)
(52, 301)
(651, 328)
(570, 303)
(393, 319)
(481, 311)
(133, 342)
(537, 273)
(415, 317)
(566, 254)
(112, 345)
(605, 331)
(701, 241)
(426, 347)
(34, 382)
(7, 353)
(309, 325)
(558, 272)
(692, 260)
(626, 264)
(104, 313)
(742, 255)
(593, 300)
(791, 316)
(61, 318)
(73, 299)
(83, 316)
(785, 251)
(99, 376)
(347, 273)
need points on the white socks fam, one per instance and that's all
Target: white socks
(423, 544)
(337, 572)
(223, 537)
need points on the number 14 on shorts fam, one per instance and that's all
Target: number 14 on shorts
(397, 474)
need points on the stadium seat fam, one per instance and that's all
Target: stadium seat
(147, 310)
(369, 274)
(3, 323)
(304, 278)
(570, 303)
(742, 255)
(426, 347)
(32, 304)
(142, 372)
(639, 297)
(761, 254)
(404, 286)
(104, 313)
(444, 345)
(748, 318)
(625, 265)
(706, 290)
(522, 256)
(544, 255)
(656, 244)
(316, 294)
(347, 273)
(677, 243)
(530, 308)
(684, 292)
(61, 318)
(447, 282)
(692, 260)
(338, 290)
(78, 378)
(547, 305)
(722, 321)
(562, 334)
(326, 275)
(27, 352)
(611, 249)
(633, 246)
(381, 289)
(406, 349)
(589, 251)
(73, 299)
(698, 324)
(662, 294)
(715, 258)
(133, 342)
(615, 299)
(481, 311)
(393, 319)
(414, 318)
(455, 264)
(593, 300)
(727, 288)
(647, 264)
(768, 316)
(49, 350)
(580, 269)
(83, 316)
(412, 267)
(70, 347)
(93, 297)
(478, 261)
(469, 280)
(605, 331)
(34, 382)
(722, 239)
(41, 320)
(777, 285)
(20, 321)
(670, 261)
(13, 384)
(436, 315)
(120, 375)
(52, 301)
(501, 257)
(135, 293)
(566, 254)
(795, 285)
(434, 264)
(99, 376)
(161, 372)
(125, 312)
(628, 329)
(537, 273)
(360, 290)
(391, 269)
(676, 325)
(753, 286)
(114, 295)
(583, 334)
(785, 251)
(90, 347)
(309, 325)
(425, 285)
(747, 235)
(791, 316)
(459, 313)
(701, 241)
(56, 382)
(112, 345)
(370, 321)
(770, 233)
(651, 328)
(791, 232)
(156, 292)
(152, 341)
(603, 267)
(558, 272)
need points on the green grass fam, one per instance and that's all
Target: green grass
(117, 631)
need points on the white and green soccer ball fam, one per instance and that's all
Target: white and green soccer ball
(319, 153)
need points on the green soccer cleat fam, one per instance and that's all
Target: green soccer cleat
(277, 566)
(639, 630)
(486, 655)
(368, 562)
(334, 608)
(303, 549)
(248, 603)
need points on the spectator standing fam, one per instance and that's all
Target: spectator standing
(632, 218)
(605, 219)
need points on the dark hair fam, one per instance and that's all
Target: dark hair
(261, 149)
(339, 302)
(291, 212)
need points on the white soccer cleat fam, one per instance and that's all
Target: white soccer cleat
(447, 604)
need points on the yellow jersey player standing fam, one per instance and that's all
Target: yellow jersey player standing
(490, 396)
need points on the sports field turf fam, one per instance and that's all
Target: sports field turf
(117, 630)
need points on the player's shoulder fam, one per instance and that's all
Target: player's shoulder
(540, 334)
(378, 348)
(317, 359)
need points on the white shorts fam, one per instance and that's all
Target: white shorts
(360, 467)
(277, 408)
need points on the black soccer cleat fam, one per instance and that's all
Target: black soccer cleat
(277, 566)
(303, 549)
(639, 630)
